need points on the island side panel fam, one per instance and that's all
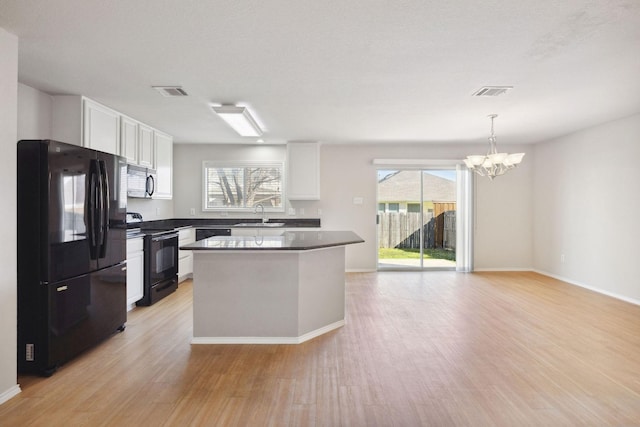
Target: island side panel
(245, 294)
(322, 288)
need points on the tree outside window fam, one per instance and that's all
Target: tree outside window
(243, 186)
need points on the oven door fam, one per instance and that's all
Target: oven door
(163, 258)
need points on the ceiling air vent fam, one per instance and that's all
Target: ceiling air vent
(492, 90)
(171, 91)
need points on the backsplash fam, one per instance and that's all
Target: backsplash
(151, 210)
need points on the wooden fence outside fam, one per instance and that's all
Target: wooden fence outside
(449, 231)
(402, 230)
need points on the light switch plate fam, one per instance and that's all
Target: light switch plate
(358, 200)
(292, 211)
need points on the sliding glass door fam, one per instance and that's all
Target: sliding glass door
(417, 218)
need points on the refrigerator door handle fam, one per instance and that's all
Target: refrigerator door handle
(93, 209)
(104, 209)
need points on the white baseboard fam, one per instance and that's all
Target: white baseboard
(12, 392)
(591, 288)
(359, 270)
(268, 340)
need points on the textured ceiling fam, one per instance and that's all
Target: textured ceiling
(340, 71)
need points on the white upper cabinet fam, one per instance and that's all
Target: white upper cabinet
(101, 127)
(81, 121)
(129, 139)
(303, 171)
(163, 165)
(146, 143)
(137, 142)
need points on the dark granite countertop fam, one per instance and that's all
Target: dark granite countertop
(177, 223)
(288, 240)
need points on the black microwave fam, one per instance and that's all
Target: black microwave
(141, 182)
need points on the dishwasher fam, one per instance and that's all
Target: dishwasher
(203, 233)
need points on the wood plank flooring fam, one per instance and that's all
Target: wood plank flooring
(419, 348)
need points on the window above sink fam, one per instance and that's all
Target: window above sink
(241, 186)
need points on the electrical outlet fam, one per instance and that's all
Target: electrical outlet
(319, 212)
(301, 211)
(157, 211)
(562, 258)
(292, 211)
(192, 211)
(29, 356)
(224, 213)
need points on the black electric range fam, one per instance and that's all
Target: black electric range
(160, 264)
(160, 259)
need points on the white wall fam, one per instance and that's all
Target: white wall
(504, 217)
(504, 220)
(34, 113)
(586, 204)
(8, 260)
(348, 172)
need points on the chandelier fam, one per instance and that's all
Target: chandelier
(493, 163)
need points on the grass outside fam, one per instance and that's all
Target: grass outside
(394, 253)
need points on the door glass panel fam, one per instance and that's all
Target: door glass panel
(418, 228)
(73, 204)
(165, 259)
(68, 243)
(164, 254)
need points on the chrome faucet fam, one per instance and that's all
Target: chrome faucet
(261, 206)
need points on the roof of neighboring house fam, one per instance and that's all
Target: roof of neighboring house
(405, 186)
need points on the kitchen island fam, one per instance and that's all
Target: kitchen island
(283, 289)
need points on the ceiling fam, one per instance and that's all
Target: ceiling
(350, 71)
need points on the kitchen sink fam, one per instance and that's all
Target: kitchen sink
(259, 224)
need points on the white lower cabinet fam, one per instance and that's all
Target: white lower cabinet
(185, 258)
(135, 271)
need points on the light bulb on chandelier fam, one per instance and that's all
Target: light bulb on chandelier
(493, 163)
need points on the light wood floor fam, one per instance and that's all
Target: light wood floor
(432, 348)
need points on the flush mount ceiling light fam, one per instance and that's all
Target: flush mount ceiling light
(493, 163)
(239, 119)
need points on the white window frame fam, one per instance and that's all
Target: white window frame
(242, 164)
(465, 203)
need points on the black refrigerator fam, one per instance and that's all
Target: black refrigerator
(71, 251)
